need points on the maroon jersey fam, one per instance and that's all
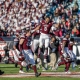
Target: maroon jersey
(45, 28)
(26, 43)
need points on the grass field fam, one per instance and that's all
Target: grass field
(40, 78)
(10, 69)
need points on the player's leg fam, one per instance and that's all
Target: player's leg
(73, 61)
(35, 45)
(21, 67)
(24, 52)
(15, 60)
(67, 66)
(60, 62)
(32, 61)
(66, 50)
(20, 62)
(46, 49)
(41, 42)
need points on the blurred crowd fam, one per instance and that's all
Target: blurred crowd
(17, 15)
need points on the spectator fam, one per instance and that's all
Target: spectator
(75, 32)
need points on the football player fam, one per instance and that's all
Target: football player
(64, 56)
(16, 53)
(71, 54)
(25, 48)
(44, 39)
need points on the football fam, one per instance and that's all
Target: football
(23, 63)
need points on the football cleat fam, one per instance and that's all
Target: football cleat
(1, 72)
(21, 71)
(37, 74)
(67, 72)
(43, 69)
(56, 66)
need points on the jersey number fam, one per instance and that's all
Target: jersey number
(45, 28)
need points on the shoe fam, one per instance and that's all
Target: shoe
(43, 69)
(1, 72)
(16, 65)
(38, 60)
(27, 68)
(53, 69)
(45, 61)
(21, 71)
(37, 74)
(56, 66)
(68, 72)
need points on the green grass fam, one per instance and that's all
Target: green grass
(10, 69)
(40, 78)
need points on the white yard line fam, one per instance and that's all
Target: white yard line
(45, 74)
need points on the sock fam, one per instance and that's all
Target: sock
(16, 64)
(28, 67)
(21, 67)
(45, 53)
(34, 68)
(39, 51)
(67, 66)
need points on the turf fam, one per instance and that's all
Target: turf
(10, 69)
(40, 78)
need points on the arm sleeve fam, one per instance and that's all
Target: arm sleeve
(20, 48)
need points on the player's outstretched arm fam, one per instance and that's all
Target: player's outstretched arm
(37, 28)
